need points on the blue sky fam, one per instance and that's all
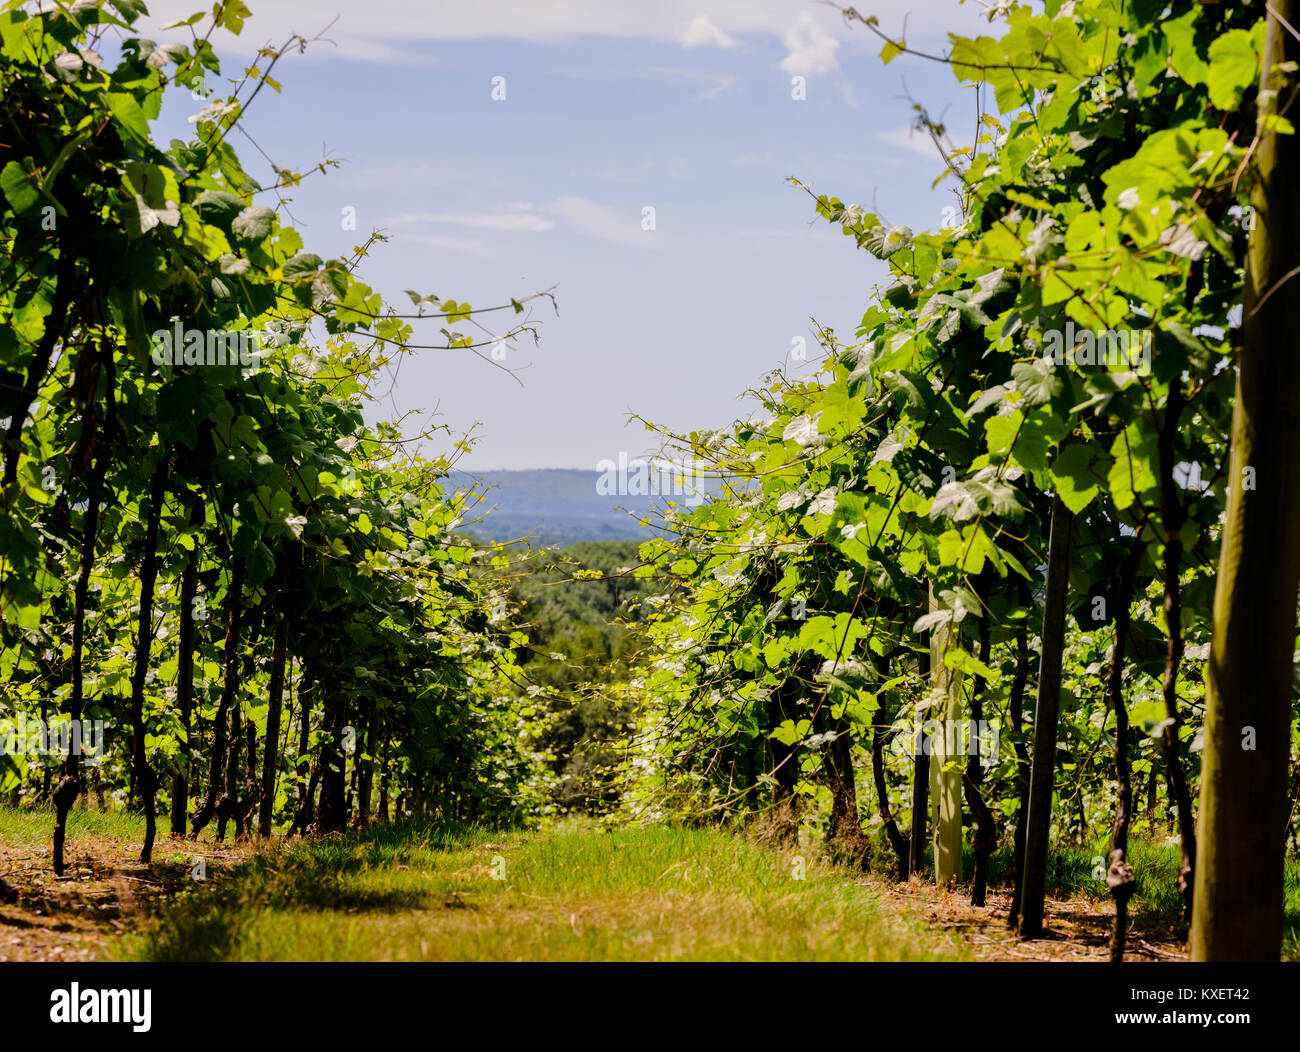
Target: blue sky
(684, 106)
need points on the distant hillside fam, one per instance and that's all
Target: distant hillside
(554, 506)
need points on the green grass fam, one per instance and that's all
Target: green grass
(577, 892)
(1070, 875)
(35, 825)
(574, 893)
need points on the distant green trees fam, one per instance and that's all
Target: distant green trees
(580, 607)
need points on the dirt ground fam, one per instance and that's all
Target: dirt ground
(103, 890)
(1074, 929)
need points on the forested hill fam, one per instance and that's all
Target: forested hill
(553, 506)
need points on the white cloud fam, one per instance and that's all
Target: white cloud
(716, 82)
(810, 48)
(388, 31)
(452, 244)
(574, 213)
(512, 219)
(722, 85)
(703, 33)
(601, 221)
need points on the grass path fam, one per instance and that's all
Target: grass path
(575, 892)
(572, 894)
